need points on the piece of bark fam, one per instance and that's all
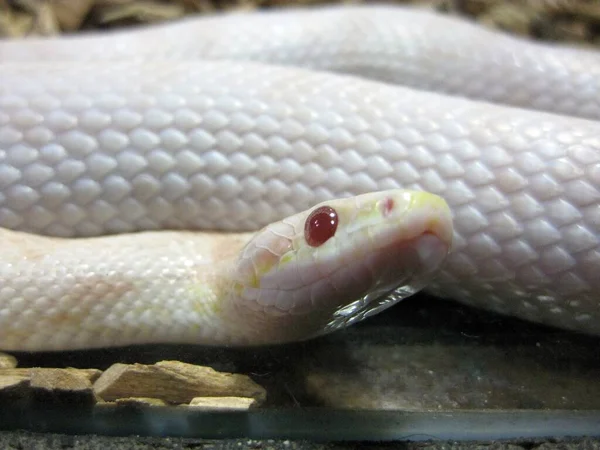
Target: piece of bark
(223, 403)
(141, 11)
(13, 388)
(12, 381)
(140, 402)
(13, 24)
(61, 386)
(174, 382)
(7, 361)
(71, 14)
(91, 374)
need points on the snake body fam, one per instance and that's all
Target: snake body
(200, 125)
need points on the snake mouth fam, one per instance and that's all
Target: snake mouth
(403, 269)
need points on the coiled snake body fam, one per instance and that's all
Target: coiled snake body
(213, 124)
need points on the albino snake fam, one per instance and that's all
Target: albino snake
(199, 125)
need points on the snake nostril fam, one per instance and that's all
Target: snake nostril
(320, 226)
(386, 205)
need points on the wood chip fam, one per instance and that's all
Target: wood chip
(44, 21)
(13, 24)
(91, 374)
(14, 390)
(12, 382)
(70, 14)
(174, 382)
(140, 402)
(7, 361)
(141, 11)
(73, 386)
(510, 17)
(223, 403)
(61, 386)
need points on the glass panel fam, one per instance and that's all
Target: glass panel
(426, 368)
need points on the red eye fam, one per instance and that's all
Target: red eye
(320, 226)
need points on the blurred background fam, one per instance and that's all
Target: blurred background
(552, 20)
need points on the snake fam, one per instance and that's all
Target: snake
(379, 150)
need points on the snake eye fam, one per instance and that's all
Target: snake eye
(320, 226)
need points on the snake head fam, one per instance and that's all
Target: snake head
(339, 262)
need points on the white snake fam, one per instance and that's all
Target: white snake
(173, 127)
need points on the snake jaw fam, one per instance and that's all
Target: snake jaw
(424, 254)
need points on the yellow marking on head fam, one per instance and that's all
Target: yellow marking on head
(432, 202)
(422, 199)
(238, 287)
(266, 263)
(255, 278)
(287, 258)
(368, 212)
